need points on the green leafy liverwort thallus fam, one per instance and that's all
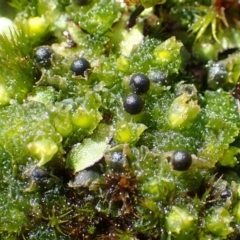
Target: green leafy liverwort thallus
(119, 119)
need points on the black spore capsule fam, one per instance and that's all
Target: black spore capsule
(133, 104)
(40, 176)
(79, 66)
(139, 83)
(43, 56)
(117, 161)
(226, 193)
(181, 160)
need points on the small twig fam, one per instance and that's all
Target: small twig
(134, 15)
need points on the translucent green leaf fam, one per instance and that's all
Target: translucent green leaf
(228, 159)
(43, 150)
(91, 150)
(236, 212)
(180, 221)
(128, 132)
(43, 94)
(168, 55)
(182, 111)
(96, 17)
(216, 142)
(24, 124)
(218, 222)
(222, 126)
(16, 66)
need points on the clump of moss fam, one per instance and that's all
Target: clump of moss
(74, 164)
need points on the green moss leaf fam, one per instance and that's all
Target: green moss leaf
(182, 111)
(228, 159)
(218, 222)
(91, 150)
(168, 55)
(180, 222)
(127, 132)
(96, 17)
(43, 150)
(222, 126)
(23, 124)
(16, 66)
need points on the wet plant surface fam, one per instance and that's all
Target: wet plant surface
(119, 119)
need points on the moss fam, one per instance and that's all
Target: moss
(60, 133)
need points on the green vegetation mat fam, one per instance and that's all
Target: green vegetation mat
(119, 120)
